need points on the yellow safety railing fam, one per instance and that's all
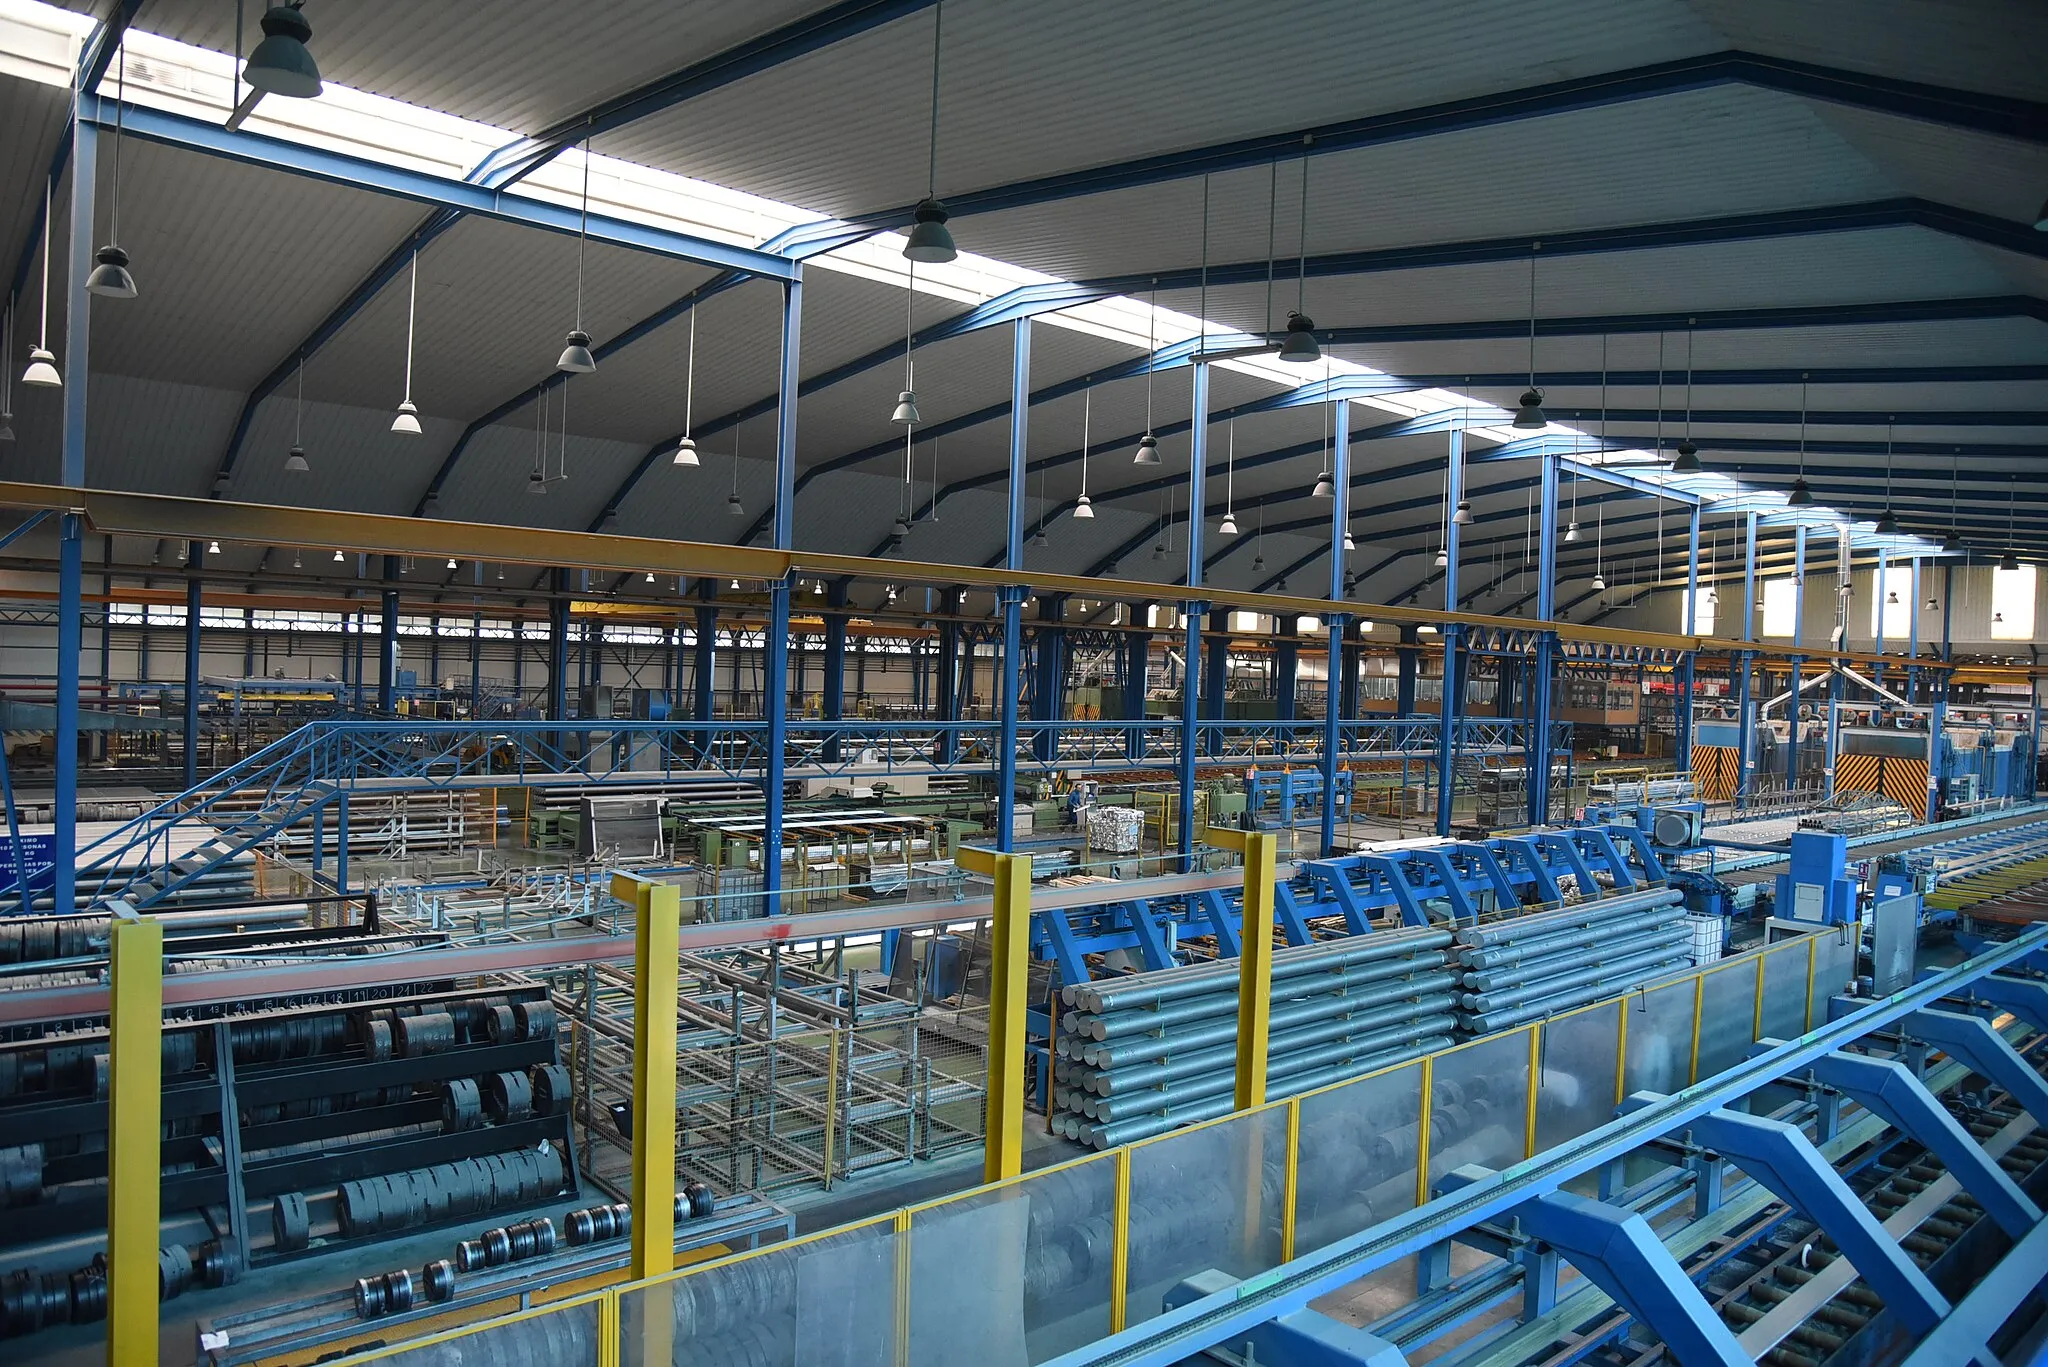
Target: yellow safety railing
(1244, 1192)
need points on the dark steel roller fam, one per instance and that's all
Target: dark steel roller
(550, 1083)
(290, 1222)
(508, 1097)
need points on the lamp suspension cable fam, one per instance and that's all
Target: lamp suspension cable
(1083, 509)
(42, 365)
(1148, 445)
(7, 372)
(686, 449)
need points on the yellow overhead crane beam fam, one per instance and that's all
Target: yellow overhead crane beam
(122, 513)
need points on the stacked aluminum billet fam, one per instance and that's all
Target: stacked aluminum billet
(1526, 967)
(1140, 1055)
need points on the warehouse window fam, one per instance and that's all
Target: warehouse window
(1781, 606)
(1702, 611)
(1891, 603)
(2012, 604)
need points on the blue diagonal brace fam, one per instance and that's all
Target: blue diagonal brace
(1530, 858)
(1397, 884)
(1569, 852)
(1889, 1091)
(1605, 848)
(1056, 934)
(1782, 1158)
(1972, 1041)
(1224, 922)
(1287, 911)
(1495, 875)
(1331, 875)
(1151, 934)
(1462, 907)
(1622, 1255)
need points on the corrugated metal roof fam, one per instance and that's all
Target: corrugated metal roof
(1989, 45)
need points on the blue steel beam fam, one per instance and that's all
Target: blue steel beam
(1782, 1158)
(1971, 1040)
(1887, 1089)
(2024, 120)
(1622, 1255)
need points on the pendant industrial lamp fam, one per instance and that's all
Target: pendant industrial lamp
(295, 460)
(733, 506)
(1299, 346)
(1325, 486)
(1148, 445)
(906, 402)
(537, 482)
(1599, 545)
(42, 366)
(686, 449)
(1688, 462)
(1953, 542)
(281, 65)
(1888, 524)
(1801, 496)
(576, 358)
(7, 373)
(2010, 561)
(1529, 411)
(930, 241)
(110, 277)
(339, 558)
(1083, 509)
(1228, 527)
(407, 420)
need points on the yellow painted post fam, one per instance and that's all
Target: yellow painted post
(657, 923)
(134, 1137)
(1699, 998)
(1535, 1084)
(1255, 960)
(1621, 1051)
(1423, 1118)
(1756, 1016)
(608, 1332)
(1292, 1191)
(1120, 1241)
(902, 1356)
(1009, 980)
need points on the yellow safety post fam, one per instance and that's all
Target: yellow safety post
(902, 1299)
(1255, 960)
(1756, 1017)
(1621, 1052)
(1812, 968)
(1290, 1194)
(1423, 1120)
(1008, 983)
(134, 1137)
(657, 925)
(1535, 1086)
(1120, 1242)
(1699, 1000)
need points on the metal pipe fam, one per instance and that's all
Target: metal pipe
(1536, 946)
(1124, 1023)
(1150, 990)
(1502, 1001)
(1182, 1059)
(1533, 971)
(1114, 1053)
(1582, 916)
(1486, 1023)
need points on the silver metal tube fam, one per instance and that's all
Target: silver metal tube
(1116, 1053)
(1574, 956)
(1486, 1023)
(1583, 915)
(1149, 991)
(1140, 1022)
(1536, 946)
(1221, 1050)
(1503, 1001)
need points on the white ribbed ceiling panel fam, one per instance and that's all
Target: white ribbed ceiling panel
(1036, 90)
(35, 118)
(1989, 45)
(1708, 153)
(519, 64)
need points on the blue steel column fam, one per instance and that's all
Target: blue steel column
(1137, 671)
(1798, 661)
(1536, 745)
(1687, 661)
(387, 641)
(1191, 671)
(1913, 632)
(1286, 663)
(1447, 715)
(1937, 724)
(1408, 660)
(195, 560)
(71, 530)
(1215, 676)
(704, 662)
(832, 704)
(1049, 671)
(1878, 587)
(775, 669)
(1011, 598)
(1340, 522)
(1745, 723)
(1845, 564)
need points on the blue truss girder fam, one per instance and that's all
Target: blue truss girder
(1622, 1255)
(1784, 1159)
(1971, 1040)
(1888, 1089)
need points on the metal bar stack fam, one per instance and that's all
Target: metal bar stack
(1141, 1055)
(1522, 969)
